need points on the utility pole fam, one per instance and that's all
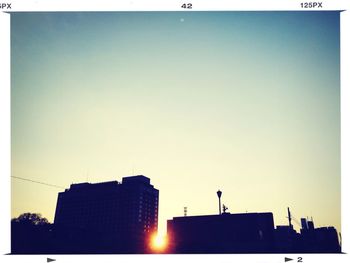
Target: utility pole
(289, 219)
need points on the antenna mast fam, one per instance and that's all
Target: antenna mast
(289, 219)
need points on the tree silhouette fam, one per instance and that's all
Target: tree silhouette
(31, 219)
(30, 234)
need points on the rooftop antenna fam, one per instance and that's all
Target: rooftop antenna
(224, 207)
(185, 211)
(219, 193)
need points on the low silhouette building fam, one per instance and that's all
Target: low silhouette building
(114, 217)
(287, 239)
(225, 233)
(309, 240)
(318, 240)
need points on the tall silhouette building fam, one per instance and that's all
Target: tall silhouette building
(225, 233)
(116, 217)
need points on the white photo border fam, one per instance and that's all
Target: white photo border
(169, 5)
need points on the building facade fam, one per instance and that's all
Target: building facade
(225, 233)
(114, 217)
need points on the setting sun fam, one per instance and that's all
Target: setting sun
(158, 242)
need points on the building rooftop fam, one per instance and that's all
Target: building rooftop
(220, 216)
(136, 179)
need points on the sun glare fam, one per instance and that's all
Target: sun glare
(158, 242)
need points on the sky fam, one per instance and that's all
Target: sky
(244, 102)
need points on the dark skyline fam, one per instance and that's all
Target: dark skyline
(122, 218)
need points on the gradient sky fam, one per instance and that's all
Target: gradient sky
(244, 102)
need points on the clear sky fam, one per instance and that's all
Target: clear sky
(244, 102)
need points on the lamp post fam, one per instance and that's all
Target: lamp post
(219, 193)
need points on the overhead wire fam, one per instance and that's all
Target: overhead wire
(37, 182)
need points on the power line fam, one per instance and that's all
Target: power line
(33, 181)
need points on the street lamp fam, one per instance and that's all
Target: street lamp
(219, 193)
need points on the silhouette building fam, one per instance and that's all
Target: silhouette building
(318, 240)
(112, 217)
(286, 239)
(309, 240)
(225, 233)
